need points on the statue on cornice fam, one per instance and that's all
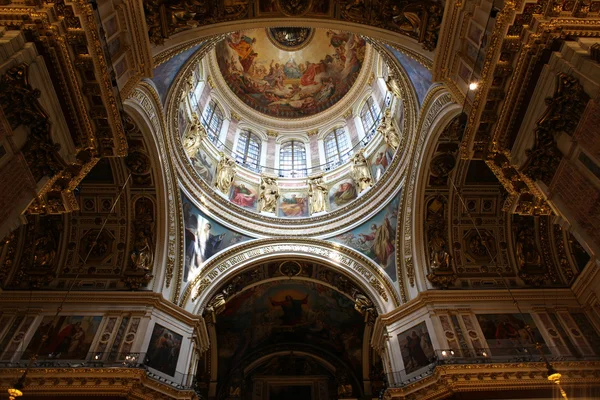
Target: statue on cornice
(361, 172)
(225, 174)
(362, 304)
(193, 137)
(142, 256)
(317, 191)
(269, 194)
(387, 130)
(392, 84)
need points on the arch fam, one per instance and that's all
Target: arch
(362, 270)
(143, 106)
(438, 109)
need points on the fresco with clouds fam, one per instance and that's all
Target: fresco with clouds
(376, 238)
(204, 238)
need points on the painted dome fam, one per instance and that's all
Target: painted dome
(290, 72)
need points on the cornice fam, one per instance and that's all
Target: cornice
(133, 382)
(449, 379)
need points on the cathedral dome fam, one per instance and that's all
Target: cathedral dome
(290, 72)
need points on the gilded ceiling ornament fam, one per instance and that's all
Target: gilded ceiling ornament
(272, 133)
(290, 38)
(562, 115)
(347, 114)
(312, 132)
(236, 116)
(293, 8)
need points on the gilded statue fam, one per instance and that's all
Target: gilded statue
(225, 174)
(439, 258)
(387, 130)
(192, 139)
(362, 304)
(317, 191)
(142, 257)
(269, 194)
(361, 172)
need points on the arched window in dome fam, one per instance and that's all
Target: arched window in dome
(292, 159)
(369, 115)
(213, 120)
(336, 147)
(248, 150)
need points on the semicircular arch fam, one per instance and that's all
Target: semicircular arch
(361, 270)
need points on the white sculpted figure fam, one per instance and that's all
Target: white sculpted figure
(225, 174)
(269, 194)
(360, 172)
(317, 191)
(388, 131)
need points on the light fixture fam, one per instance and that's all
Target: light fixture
(444, 353)
(484, 354)
(473, 85)
(452, 352)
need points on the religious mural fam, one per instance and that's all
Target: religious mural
(69, 337)
(416, 348)
(166, 72)
(293, 205)
(376, 238)
(506, 334)
(204, 165)
(419, 76)
(244, 194)
(204, 238)
(342, 193)
(293, 312)
(290, 84)
(380, 161)
(163, 350)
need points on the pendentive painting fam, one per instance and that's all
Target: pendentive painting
(376, 238)
(416, 348)
(163, 350)
(293, 205)
(204, 238)
(290, 72)
(298, 313)
(342, 193)
(244, 194)
(69, 337)
(506, 334)
(381, 160)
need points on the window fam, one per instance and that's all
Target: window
(248, 150)
(195, 93)
(368, 115)
(213, 121)
(336, 146)
(292, 159)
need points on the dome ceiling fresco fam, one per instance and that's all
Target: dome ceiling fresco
(261, 70)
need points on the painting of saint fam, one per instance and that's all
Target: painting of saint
(292, 309)
(204, 165)
(376, 238)
(204, 238)
(243, 195)
(69, 337)
(342, 193)
(293, 205)
(507, 335)
(288, 84)
(163, 350)
(381, 160)
(416, 348)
